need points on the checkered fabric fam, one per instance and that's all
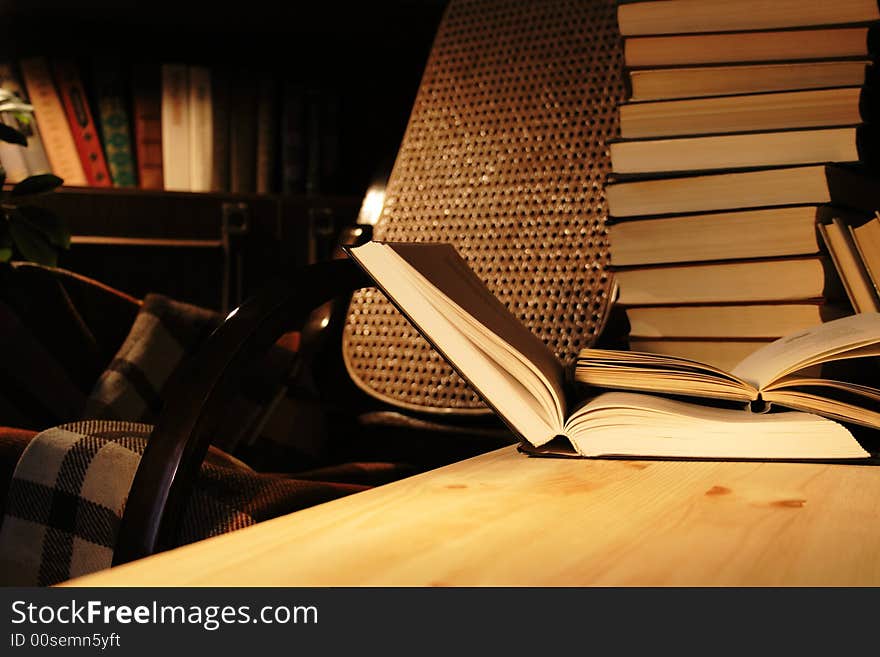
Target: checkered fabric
(270, 415)
(69, 489)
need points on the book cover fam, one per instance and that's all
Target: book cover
(54, 127)
(82, 123)
(147, 112)
(113, 118)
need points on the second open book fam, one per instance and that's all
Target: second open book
(517, 375)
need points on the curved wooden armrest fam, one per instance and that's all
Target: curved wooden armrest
(180, 440)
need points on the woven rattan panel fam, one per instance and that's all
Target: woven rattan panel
(505, 157)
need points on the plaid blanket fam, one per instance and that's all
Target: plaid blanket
(271, 418)
(70, 486)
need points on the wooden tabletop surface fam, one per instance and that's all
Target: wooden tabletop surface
(506, 519)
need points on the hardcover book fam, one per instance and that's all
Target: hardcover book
(113, 119)
(809, 108)
(695, 81)
(54, 127)
(847, 186)
(82, 123)
(518, 376)
(687, 16)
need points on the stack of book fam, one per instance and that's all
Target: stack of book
(744, 140)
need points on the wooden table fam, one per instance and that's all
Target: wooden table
(506, 519)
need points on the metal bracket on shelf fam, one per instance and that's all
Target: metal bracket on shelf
(235, 225)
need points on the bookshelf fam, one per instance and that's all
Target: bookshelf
(367, 58)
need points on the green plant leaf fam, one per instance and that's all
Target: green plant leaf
(12, 135)
(30, 241)
(48, 223)
(39, 184)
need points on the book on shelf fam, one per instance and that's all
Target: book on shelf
(809, 108)
(745, 150)
(723, 353)
(55, 129)
(176, 164)
(764, 46)
(745, 321)
(111, 107)
(738, 281)
(694, 81)
(293, 138)
(220, 125)
(147, 114)
(201, 128)
(852, 271)
(848, 186)
(34, 154)
(761, 233)
(243, 91)
(521, 379)
(82, 124)
(689, 16)
(267, 133)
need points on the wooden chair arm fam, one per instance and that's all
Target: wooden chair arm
(186, 426)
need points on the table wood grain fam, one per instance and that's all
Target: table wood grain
(507, 519)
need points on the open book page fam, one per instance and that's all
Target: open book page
(632, 424)
(843, 400)
(841, 338)
(516, 391)
(443, 268)
(636, 370)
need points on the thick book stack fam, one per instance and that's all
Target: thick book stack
(746, 138)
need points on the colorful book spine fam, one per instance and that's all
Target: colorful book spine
(54, 128)
(82, 123)
(147, 110)
(114, 122)
(25, 122)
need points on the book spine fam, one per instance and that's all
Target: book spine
(25, 122)
(293, 142)
(82, 124)
(267, 135)
(242, 133)
(54, 128)
(201, 129)
(175, 127)
(113, 119)
(220, 138)
(147, 110)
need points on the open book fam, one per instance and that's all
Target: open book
(518, 376)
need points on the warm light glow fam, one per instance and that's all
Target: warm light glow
(371, 207)
(324, 322)
(231, 314)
